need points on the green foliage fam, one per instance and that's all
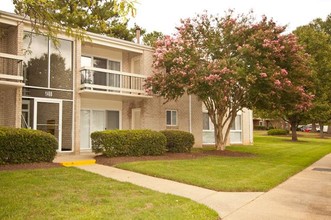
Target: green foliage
(75, 17)
(259, 127)
(278, 132)
(178, 141)
(151, 38)
(316, 38)
(26, 146)
(112, 143)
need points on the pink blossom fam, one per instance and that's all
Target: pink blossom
(283, 72)
(288, 82)
(263, 75)
(277, 82)
(212, 77)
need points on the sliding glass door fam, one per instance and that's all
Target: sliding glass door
(96, 120)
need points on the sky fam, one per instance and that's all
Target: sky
(164, 16)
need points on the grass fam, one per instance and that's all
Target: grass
(69, 193)
(276, 159)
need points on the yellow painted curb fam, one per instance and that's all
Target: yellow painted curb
(78, 163)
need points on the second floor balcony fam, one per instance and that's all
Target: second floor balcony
(105, 81)
(11, 70)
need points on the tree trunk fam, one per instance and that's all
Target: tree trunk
(329, 129)
(220, 141)
(321, 131)
(294, 132)
(313, 127)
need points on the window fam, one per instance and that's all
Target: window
(236, 125)
(171, 117)
(100, 78)
(206, 121)
(46, 65)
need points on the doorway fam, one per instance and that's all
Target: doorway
(47, 116)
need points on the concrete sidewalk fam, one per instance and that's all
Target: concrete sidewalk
(306, 195)
(222, 202)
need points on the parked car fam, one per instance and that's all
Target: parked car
(308, 128)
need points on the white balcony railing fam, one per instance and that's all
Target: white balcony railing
(11, 70)
(112, 82)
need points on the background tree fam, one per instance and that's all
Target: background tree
(230, 63)
(151, 38)
(76, 17)
(316, 38)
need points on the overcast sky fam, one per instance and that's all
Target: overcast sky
(164, 15)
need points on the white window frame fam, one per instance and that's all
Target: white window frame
(102, 57)
(171, 118)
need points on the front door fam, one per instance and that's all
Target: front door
(48, 117)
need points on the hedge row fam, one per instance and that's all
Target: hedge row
(112, 143)
(19, 145)
(278, 132)
(178, 141)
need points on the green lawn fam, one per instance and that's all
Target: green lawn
(69, 193)
(276, 159)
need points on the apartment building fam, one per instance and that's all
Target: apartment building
(79, 87)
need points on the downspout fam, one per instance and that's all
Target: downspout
(190, 112)
(251, 126)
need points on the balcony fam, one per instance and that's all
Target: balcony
(116, 83)
(11, 70)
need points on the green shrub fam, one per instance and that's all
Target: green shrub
(20, 145)
(178, 141)
(260, 127)
(112, 143)
(278, 132)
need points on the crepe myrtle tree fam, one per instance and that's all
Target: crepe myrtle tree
(229, 63)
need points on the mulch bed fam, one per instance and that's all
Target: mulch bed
(110, 161)
(29, 166)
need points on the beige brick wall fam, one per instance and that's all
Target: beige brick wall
(153, 115)
(11, 97)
